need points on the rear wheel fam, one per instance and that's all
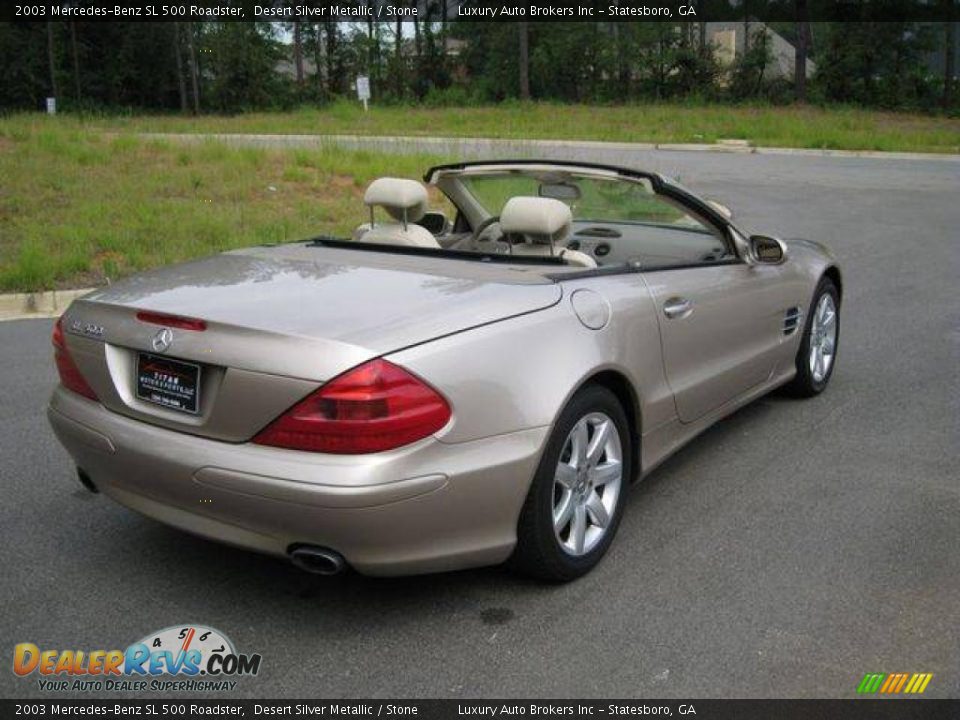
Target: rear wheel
(575, 502)
(817, 355)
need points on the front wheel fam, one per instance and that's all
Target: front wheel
(576, 499)
(817, 355)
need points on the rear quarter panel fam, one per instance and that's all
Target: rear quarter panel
(519, 373)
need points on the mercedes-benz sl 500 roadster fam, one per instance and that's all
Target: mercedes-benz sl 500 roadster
(476, 376)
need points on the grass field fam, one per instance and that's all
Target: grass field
(85, 200)
(78, 207)
(801, 127)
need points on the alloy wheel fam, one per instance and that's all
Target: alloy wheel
(823, 338)
(587, 483)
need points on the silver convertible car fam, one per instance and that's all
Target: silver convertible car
(466, 385)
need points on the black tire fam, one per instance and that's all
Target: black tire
(539, 552)
(804, 385)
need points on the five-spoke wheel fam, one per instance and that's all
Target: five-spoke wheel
(823, 337)
(817, 355)
(586, 485)
(574, 505)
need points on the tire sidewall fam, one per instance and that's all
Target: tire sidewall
(561, 564)
(825, 286)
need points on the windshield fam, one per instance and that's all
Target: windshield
(590, 199)
(616, 220)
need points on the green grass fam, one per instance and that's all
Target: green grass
(84, 200)
(791, 126)
(79, 207)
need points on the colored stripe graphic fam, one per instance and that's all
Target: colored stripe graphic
(894, 683)
(871, 682)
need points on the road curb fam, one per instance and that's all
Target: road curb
(415, 142)
(23, 306)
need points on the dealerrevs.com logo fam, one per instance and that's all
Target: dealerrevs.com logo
(178, 658)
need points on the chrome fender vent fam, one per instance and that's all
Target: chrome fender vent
(791, 320)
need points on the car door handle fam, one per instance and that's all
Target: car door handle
(677, 307)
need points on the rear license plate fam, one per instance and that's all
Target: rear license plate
(171, 383)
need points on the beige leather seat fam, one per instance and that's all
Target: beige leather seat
(545, 224)
(405, 202)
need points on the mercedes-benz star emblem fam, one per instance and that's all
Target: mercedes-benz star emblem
(162, 340)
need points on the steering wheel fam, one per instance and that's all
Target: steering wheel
(492, 220)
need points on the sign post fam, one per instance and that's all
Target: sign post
(363, 90)
(51, 106)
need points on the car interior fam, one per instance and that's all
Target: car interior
(586, 222)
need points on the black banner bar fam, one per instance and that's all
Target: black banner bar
(475, 10)
(854, 709)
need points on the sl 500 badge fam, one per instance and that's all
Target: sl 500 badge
(89, 329)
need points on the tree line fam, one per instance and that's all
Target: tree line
(201, 67)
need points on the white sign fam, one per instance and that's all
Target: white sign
(363, 87)
(51, 106)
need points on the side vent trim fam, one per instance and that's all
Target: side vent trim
(791, 320)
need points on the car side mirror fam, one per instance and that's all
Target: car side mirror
(721, 208)
(436, 222)
(767, 250)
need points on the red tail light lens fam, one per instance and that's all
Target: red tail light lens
(70, 376)
(374, 407)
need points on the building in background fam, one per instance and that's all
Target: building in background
(729, 43)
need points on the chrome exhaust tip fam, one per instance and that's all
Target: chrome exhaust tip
(86, 481)
(317, 560)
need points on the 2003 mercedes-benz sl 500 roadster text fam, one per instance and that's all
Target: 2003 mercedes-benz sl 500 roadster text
(439, 393)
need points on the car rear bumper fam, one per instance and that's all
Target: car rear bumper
(427, 507)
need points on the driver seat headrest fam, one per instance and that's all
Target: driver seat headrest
(543, 220)
(402, 199)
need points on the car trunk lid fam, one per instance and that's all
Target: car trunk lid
(281, 321)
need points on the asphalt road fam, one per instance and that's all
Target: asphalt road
(791, 549)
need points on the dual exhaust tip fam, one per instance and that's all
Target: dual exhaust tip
(317, 560)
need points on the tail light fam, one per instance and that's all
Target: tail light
(374, 407)
(70, 376)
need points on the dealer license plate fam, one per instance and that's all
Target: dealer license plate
(173, 384)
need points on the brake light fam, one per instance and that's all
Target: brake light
(70, 376)
(374, 407)
(174, 321)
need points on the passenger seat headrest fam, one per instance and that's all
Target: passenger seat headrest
(396, 196)
(544, 218)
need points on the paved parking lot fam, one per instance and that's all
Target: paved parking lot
(791, 549)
